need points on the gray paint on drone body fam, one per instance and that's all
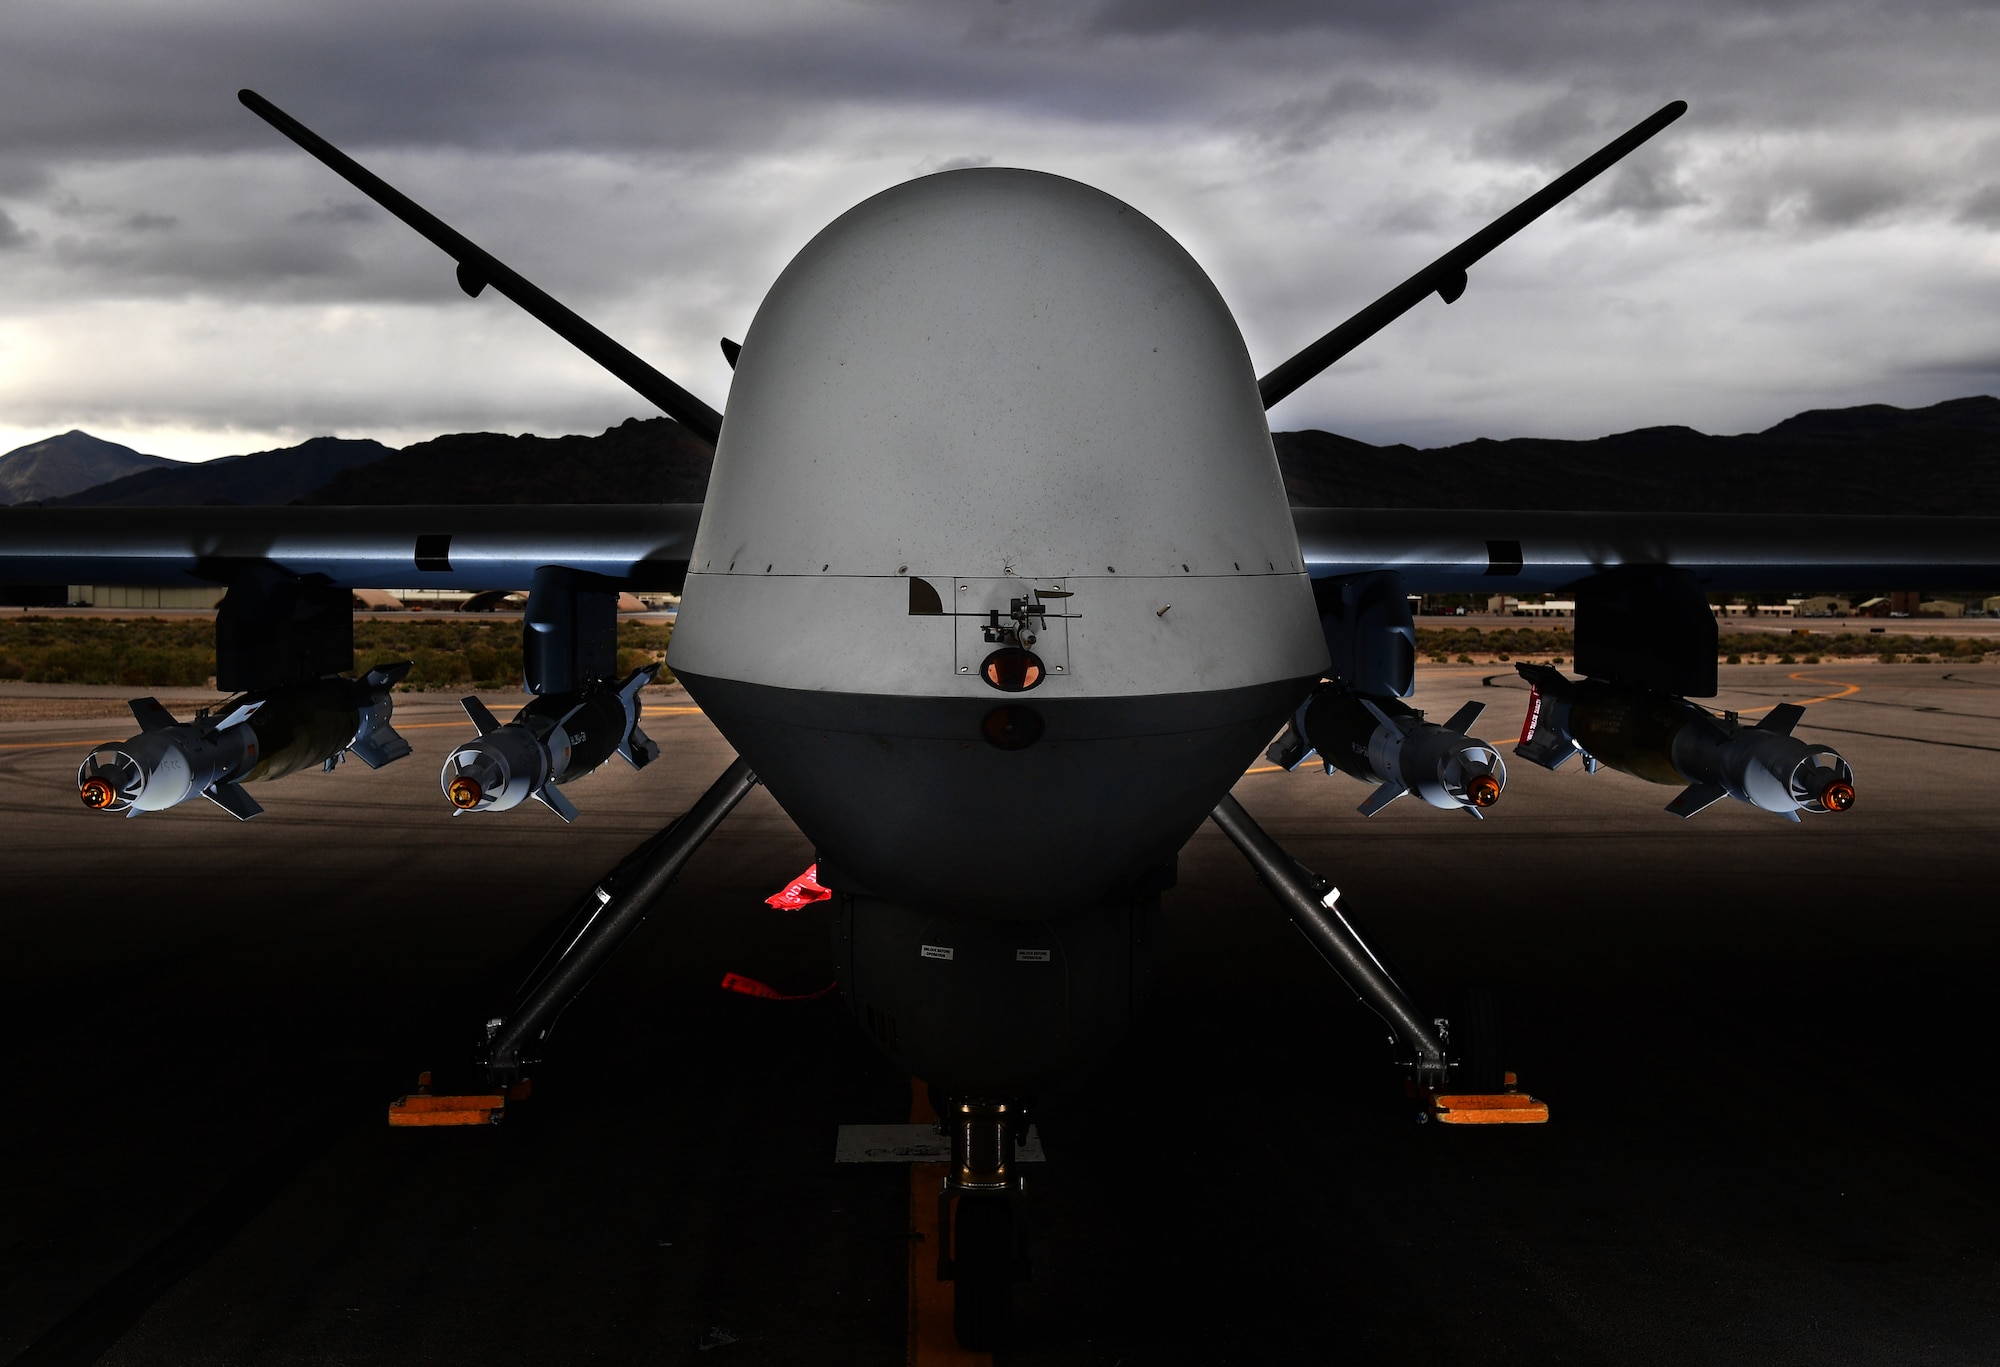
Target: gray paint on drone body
(994, 373)
(980, 376)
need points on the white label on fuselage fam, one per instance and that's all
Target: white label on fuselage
(1031, 956)
(936, 951)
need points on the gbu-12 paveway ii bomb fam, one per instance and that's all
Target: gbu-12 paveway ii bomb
(1386, 742)
(260, 735)
(554, 739)
(1665, 739)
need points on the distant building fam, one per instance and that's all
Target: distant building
(1940, 607)
(133, 596)
(1874, 607)
(1821, 607)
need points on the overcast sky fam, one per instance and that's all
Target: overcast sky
(1822, 228)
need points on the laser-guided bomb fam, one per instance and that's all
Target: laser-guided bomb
(1666, 739)
(1388, 743)
(254, 737)
(556, 738)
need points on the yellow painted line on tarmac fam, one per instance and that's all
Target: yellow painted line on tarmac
(1847, 690)
(932, 1342)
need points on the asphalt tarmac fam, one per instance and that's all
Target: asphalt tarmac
(1767, 1051)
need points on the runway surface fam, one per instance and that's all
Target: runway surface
(1767, 1049)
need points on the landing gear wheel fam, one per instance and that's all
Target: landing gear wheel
(1477, 1040)
(982, 1271)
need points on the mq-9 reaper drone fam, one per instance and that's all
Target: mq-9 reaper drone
(996, 551)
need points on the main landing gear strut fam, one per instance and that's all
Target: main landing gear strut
(590, 934)
(1434, 1057)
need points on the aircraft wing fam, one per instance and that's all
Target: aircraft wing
(448, 547)
(474, 547)
(1473, 551)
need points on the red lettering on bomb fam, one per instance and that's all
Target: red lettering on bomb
(1533, 718)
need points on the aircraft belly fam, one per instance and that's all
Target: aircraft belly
(906, 799)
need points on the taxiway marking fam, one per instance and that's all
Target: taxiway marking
(1847, 690)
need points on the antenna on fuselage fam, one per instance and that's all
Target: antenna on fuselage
(1446, 276)
(478, 268)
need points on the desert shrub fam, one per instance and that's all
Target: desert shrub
(446, 650)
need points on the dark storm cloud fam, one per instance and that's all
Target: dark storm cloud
(141, 265)
(1268, 16)
(654, 165)
(1644, 190)
(1794, 64)
(508, 76)
(352, 211)
(1982, 207)
(1843, 199)
(607, 78)
(1306, 121)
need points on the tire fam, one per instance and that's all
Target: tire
(1479, 1042)
(983, 1271)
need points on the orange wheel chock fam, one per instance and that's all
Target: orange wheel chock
(423, 1109)
(1509, 1107)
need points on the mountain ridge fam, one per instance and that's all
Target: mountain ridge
(257, 478)
(66, 464)
(1943, 459)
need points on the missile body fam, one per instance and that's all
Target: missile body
(1665, 739)
(556, 738)
(257, 736)
(1388, 743)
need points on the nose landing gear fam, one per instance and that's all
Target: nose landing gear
(981, 1250)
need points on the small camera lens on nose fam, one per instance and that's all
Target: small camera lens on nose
(1012, 670)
